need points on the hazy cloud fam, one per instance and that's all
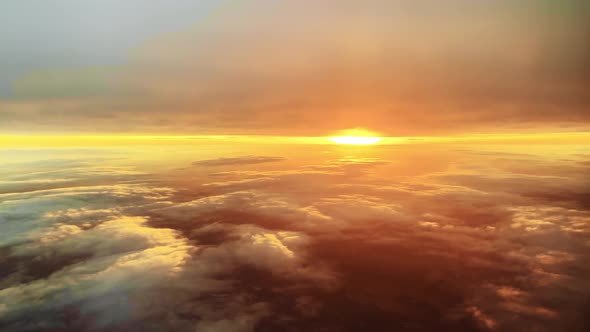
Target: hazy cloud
(236, 161)
(262, 67)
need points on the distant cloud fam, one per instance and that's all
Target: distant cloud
(267, 67)
(245, 160)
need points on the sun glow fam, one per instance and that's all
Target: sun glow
(356, 136)
(358, 140)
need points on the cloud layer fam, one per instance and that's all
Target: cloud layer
(262, 67)
(236, 161)
(473, 244)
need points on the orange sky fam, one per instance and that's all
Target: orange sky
(288, 68)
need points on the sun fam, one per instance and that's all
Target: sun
(356, 137)
(358, 140)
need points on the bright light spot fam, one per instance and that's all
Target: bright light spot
(359, 140)
(357, 136)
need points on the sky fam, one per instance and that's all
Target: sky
(293, 68)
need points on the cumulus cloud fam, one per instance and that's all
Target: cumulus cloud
(90, 259)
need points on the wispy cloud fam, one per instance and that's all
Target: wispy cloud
(236, 161)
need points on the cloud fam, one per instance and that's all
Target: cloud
(244, 207)
(236, 161)
(109, 267)
(92, 263)
(393, 66)
(336, 244)
(331, 171)
(25, 211)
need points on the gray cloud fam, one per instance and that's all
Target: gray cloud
(33, 34)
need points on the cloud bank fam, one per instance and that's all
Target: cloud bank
(262, 67)
(330, 245)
